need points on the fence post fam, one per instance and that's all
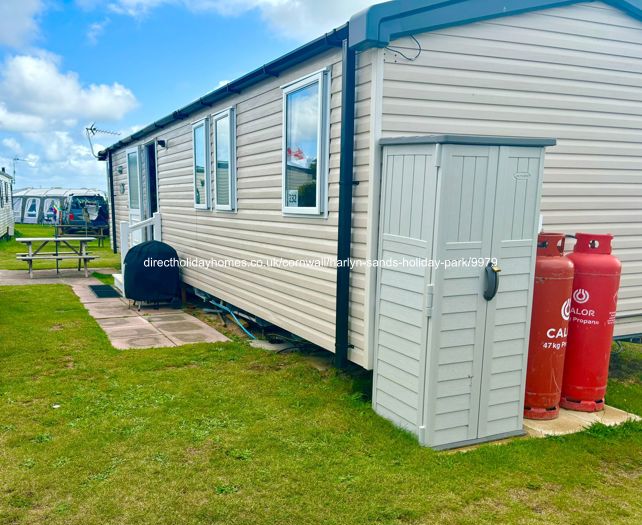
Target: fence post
(124, 243)
(157, 227)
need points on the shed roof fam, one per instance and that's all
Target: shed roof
(375, 26)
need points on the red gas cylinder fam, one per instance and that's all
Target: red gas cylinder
(595, 287)
(549, 328)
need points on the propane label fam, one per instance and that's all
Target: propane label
(559, 333)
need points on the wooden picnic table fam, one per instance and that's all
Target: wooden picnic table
(35, 246)
(99, 232)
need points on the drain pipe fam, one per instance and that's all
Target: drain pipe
(346, 182)
(112, 205)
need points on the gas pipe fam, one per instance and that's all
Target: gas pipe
(593, 305)
(549, 327)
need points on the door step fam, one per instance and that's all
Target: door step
(119, 283)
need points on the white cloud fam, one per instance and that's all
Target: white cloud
(43, 110)
(299, 20)
(36, 95)
(13, 145)
(62, 160)
(18, 24)
(222, 83)
(95, 30)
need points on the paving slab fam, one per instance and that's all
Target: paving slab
(106, 309)
(570, 421)
(150, 341)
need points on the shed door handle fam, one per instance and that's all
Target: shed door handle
(492, 281)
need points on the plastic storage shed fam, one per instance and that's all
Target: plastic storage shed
(450, 354)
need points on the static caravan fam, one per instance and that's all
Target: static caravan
(35, 205)
(6, 211)
(419, 130)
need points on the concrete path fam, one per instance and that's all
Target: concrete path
(126, 327)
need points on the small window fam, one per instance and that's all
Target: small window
(224, 160)
(133, 177)
(305, 145)
(200, 138)
(2, 190)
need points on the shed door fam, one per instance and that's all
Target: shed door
(508, 316)
(409, 183)
(488, 210)
(456, 345)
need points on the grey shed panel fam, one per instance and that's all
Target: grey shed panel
(450, 365)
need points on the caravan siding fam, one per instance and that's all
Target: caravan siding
(573, 73)
(6, 207)
(297, 298)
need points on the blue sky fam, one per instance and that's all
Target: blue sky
(125, 63)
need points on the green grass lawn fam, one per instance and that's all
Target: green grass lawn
(9, 249)
(226, 434)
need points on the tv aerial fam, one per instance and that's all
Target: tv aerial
(92, 131)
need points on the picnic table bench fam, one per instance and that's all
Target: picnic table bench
(79, 254)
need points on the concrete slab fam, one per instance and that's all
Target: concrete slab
(151, 341)
(570, 421)
(117, 322)
(182, 328)
(105, 309)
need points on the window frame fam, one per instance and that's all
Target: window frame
(231, 114)
(322, 78)
(208, 186)
(128, 152)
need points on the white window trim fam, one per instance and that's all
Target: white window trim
(128, 152)
(321, 77)
(231, 113)
(206, 205)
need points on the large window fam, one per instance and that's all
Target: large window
(224, 160)
(133, 177)
(200, 138)
(305, 108)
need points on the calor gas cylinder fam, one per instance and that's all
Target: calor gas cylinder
(593, 306)
(549, 327)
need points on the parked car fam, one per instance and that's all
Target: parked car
(85, 211)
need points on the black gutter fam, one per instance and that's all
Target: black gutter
(112, 214)
(348, 86)
(272, 69)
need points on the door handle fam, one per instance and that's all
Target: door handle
(492, 281)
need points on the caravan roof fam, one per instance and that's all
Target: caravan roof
(56, 192)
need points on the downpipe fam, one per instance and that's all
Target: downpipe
(346, 182)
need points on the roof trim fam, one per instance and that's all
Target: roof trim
(377, 25)
(478, 140)
(330, 40)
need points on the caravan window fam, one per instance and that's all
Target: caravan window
(134, 181)
(224, 160)
(32, 208)
(2, 187)
(305, 144)
(200, 138)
